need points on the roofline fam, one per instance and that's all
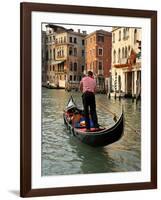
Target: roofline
(99, 31)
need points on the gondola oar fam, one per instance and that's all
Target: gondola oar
(115, 117)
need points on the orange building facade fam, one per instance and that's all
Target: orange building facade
(98, 57)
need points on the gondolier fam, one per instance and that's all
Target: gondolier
(88, 87)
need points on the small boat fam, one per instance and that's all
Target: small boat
(96, 137)
(50, 86)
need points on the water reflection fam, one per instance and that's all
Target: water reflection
(63, 154)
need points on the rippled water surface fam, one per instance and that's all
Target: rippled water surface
(64, 154)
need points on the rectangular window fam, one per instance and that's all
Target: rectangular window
(71, 66)
(74, 77)
(100, 51)
(82, 53)
(75, 67)
(100, 65)
(70, 77)
(80, 78)
(82, 68)
(70, 51)
(100, 38)
(70, 39)
(75, 40)
(83, 42)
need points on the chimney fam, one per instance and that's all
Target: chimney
(84, 32)
(78, 30)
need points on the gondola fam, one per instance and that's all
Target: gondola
(96, 138)
(50, 86)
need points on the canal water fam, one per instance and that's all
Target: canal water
(63, 154)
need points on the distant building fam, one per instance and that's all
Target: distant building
(66, 59)
(126, 61)
(98, 57)
(43, 56)
(51, 32)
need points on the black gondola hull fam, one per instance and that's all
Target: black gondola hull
(100, 138)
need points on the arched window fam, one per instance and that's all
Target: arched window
(50, 54)
(114, 56)
(127, 32)
(135, 36)
(129, 50)
(113, 37)
(123, 52)
(120, 35)
(62, 52)
(119, 55)
(53, 53)
(124, 33)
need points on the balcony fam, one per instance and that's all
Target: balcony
(61, 43)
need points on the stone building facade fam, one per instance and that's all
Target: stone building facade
(43, 56)
(126, 61)
(66, 60)
(98, 57)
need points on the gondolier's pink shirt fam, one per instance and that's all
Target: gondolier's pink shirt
(89, 84)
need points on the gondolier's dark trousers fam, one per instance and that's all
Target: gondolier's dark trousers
(89, 103)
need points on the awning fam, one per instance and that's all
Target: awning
(122, 65)
(57, 62)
